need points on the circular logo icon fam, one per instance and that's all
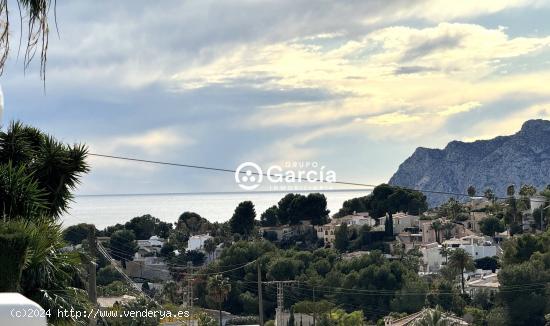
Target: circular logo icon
(249, 176)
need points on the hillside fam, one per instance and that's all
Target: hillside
(496, 163)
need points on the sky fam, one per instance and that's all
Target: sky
(354, 86)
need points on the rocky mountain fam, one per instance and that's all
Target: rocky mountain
(522, 158)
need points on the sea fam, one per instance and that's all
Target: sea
(105, 210)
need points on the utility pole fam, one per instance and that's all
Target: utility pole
(190, 285)
(280, 300)
(280, 303)
(260, 300)
(314, 308)
(92, 291)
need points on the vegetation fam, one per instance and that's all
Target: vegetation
(386, 199)
(75, 234)
(461, 262)
(242, 221)
(37, 177)
(146, 226)
(491, 225)
(123, 245)
(218, 289)
(36, 16)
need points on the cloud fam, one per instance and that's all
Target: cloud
(459, 108)
(151, 142)
(221, 82)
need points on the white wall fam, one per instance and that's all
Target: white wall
(13, 305)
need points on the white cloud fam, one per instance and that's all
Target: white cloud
(151, 142)
(459, 108)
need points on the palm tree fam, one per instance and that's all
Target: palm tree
(490, 195)
(461, 261)
(434, 317)
(445, 251)
(170, 291)
(218, 288)
(471, 191)
(210, 247)
(36, 12)
(437, 226)
(37, 177)
(511, 190)
(49, 276)
(44, 173)
(448, 228)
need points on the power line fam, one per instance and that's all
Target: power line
(349, 183)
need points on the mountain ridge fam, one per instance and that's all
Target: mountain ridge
(521, 158)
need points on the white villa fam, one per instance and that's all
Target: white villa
(477, 246)
(196, 242)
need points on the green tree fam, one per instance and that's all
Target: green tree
(107, 275)
(49, 276)
(142, 226)
(288, 208)
(37, 177)
(387, 200)
(434, 317)
(437, 226)
(445, 251)
(341, 238)
(170, 292)
(195, 257)
(447, 229)
(527, 190)
(316, 208)
(511, 190)
(412, 295)
(146, 226)
(284, 269)
(12, 257)
(42, 172)
(314, 308)
(190, 223)
(74, 234)
(123, 245)
(205, 320)
(490, 195)
(487, 263)
(140, 304)
(445, 294)
(342, 318)
(525, 307)
(242, 221)
(497, 317)
(210, 247)
(471, 191)
(270, 216)
(359, 204)
(461, 261)
(491, 225)
(291, 319)
(218, 288)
